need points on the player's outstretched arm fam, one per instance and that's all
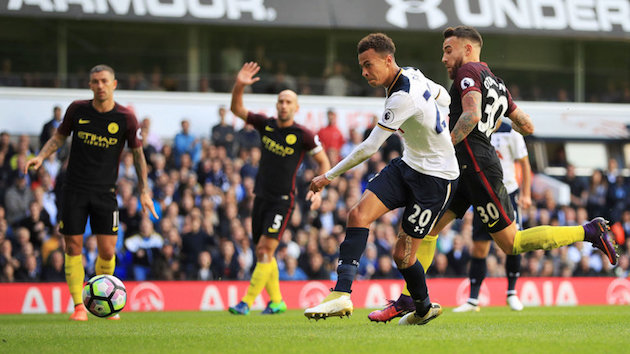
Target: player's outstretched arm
(324, 165)
(143, 188)
(52, 145)
(244, 78)
(360, 153)
(522, 123)
(525, 200)
(471, 114)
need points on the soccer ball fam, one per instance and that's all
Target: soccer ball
(104, 295)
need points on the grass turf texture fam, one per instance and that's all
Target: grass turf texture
(584, 329)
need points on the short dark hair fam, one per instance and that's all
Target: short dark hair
(380, 42)
(467, 32)
(102, 67)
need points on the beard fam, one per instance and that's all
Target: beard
(458, 64)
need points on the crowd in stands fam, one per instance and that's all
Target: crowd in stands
(203, 193)
(335, 80)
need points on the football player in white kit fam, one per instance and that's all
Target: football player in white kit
(422, 181)
(511, 149)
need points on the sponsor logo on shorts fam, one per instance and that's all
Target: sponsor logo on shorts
(493, 223)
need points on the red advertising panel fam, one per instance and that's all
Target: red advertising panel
(217, 296)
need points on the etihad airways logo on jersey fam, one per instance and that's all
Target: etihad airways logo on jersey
(230, 9)
(96, 140)
(578, 15)
(276, 148)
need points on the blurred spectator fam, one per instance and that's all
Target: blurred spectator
(368, 262)
(385, 269)
(194, 242)
(596, 200)
(17, 199)
(149, 136)
(7, 77)
(330, 136)
(222, 134)
(144, 247)
(166, 265)
(578, 187)
(247, 138)
(205, 267)
(54, 270)
(227, 265)
(37, 223)
(316, 269)
(458, 258)
(440, 268)
(186, 143)
(336, 83)
(291, 270)
(50, 127)
(29, 272)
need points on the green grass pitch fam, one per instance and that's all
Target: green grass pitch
(583, 329)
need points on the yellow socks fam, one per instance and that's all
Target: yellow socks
(547, 237)
(75, 274)
(425, 254)
(260, 276)
(273, 283)
(105, 267)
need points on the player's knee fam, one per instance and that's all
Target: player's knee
(264, 253)
(507, 247)
(106, 254)
(356, 218)
(74, 248)
(399, 259)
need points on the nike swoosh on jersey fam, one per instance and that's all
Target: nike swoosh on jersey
(494, 223)
(268, 128)
(84, 121)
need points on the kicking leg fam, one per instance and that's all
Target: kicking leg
(338, 302)
(412, 271)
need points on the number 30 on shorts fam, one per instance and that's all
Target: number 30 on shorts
(421, 217)
(490, 212)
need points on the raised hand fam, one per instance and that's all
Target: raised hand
(246, 75)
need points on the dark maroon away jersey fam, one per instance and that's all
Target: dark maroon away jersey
(98, 140)
(496, 102)
(283, 150)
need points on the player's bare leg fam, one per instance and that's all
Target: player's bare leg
(426, 250)
(75, 275)
(338, 302)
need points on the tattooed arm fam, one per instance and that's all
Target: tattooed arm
(471, 114)
(521, 122)
(54, 143)
(141, 170)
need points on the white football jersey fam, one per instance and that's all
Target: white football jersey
(411, 108)
(510, 147)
